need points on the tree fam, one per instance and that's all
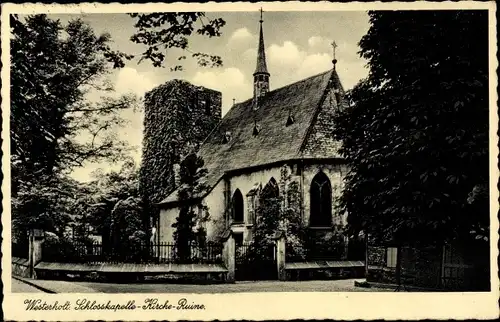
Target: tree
(162, 32)
(53, 68)
(416, 133)
(54, 127)
(188, 226)
(44, 204)
(110, 206)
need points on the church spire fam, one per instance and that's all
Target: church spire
(261, 75)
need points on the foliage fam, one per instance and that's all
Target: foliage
(189, 225)
(46, 203)
(280, 211)
(53, 68)
(126, 223)
(110, 206)
(163, 32)
(416, 133)
(54, 126)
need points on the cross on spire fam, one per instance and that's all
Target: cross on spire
(261, 12)
(334, 46)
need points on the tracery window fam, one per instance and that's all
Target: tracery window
(321, 201)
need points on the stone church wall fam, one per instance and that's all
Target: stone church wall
(167, 218)
(216, 206)
(245, 182)
(215, 200)
(215, 203)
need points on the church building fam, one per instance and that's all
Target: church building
(285, 129)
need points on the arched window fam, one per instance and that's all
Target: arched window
(237, 206)
(269, 204)
(271, 189)
(321, 201)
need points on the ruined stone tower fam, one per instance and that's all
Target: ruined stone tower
(178, 116)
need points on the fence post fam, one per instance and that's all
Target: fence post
(229, 255)
(36, 238)
(280, 239)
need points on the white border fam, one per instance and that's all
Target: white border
(258, 306)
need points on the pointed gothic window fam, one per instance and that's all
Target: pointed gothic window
(269, 203)
(252, 203)
(290, 120)
(237, 206)
(321, 201)
(271, 188)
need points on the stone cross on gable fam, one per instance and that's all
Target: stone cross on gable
(334, 46)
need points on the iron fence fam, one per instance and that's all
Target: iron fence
(95, 252)
(304, 254)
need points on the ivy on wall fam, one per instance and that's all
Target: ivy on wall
(169, 135)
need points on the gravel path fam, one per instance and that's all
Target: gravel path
(260, 286)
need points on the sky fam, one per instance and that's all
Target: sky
(298, 45)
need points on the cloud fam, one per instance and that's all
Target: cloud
(231, 82)
(320, 44)
(241, 35)
(286, 54)
(314, 64)
(293, 63)
(250, 55)
(129, 80)
(316, 41)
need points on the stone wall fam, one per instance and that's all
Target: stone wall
(20, 267)
(178, 116)
(320, 142)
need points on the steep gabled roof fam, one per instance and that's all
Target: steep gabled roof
(275, 141)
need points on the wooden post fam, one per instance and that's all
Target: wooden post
(229, 256)
(280, 255)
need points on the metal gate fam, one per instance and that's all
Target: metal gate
(256, 263)
(456, 274)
